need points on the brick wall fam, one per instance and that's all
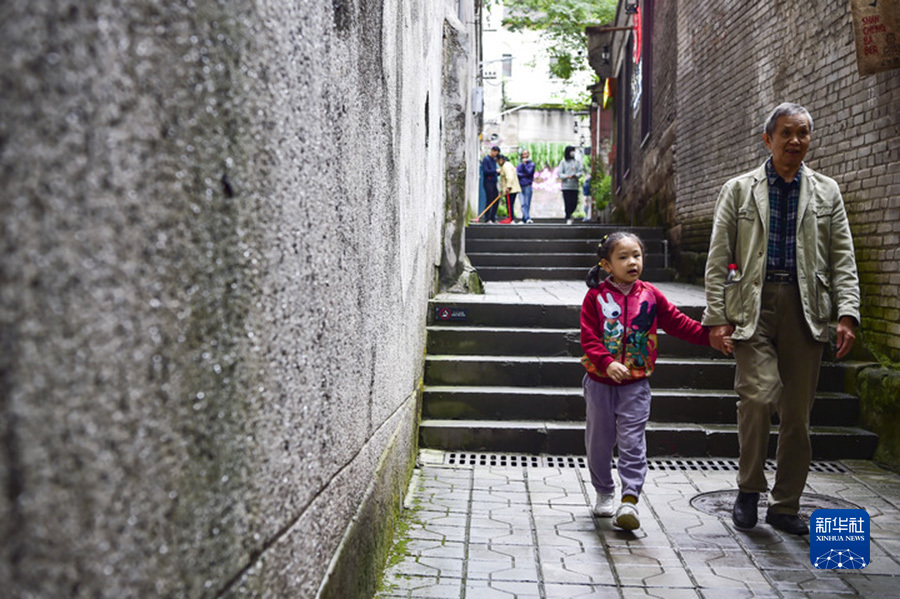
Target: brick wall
(736, 61)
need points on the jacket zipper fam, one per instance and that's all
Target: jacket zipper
(625, 328)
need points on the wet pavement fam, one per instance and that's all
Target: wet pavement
(481, 526)
(523, 529)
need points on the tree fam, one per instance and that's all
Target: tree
(562, 23)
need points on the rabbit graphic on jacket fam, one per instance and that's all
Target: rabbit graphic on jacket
(613, 331)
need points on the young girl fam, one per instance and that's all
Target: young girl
(619, 318)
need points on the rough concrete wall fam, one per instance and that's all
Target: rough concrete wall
(220, 228)
(460, 159)
(737, 61)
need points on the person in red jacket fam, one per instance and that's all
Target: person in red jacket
(619, 318)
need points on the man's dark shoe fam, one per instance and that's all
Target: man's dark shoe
(744, 514)
(789, 523)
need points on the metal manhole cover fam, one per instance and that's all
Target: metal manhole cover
(719, 503)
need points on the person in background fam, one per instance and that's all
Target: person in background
(569, 171)
(588, 201)
(489, 174)
(509, 186)
(525, 173)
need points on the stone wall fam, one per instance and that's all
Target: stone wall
(737, 61)
(221, 223)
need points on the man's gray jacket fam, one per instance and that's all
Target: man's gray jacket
(826, 261)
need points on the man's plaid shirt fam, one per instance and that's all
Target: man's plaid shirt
(783, 200)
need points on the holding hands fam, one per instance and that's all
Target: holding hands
(720, 338)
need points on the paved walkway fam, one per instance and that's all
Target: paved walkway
(480, 526)
(526, 531)
(564, 292)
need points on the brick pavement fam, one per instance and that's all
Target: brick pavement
(525, 531)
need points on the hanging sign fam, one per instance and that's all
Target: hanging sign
(876, 27)
(636, 23)
(637, 77)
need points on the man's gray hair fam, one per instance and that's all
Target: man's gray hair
(786, 109)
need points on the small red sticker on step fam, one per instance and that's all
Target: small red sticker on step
(445, 313)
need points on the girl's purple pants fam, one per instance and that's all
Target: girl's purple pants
(617, 415)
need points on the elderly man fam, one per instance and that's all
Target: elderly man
(780, 261)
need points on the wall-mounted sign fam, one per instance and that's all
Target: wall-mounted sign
(876, 27)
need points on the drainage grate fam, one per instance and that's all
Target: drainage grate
(513, 460)
(493, 459)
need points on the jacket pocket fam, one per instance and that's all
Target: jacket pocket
(823, 296)
(734, 302)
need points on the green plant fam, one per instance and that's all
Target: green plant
(562, 23)
(601, 191)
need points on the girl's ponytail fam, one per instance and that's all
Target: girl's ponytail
(593, 277)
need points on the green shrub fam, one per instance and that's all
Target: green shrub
(601, 192)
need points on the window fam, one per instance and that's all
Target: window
(623, 116)
(626, 107)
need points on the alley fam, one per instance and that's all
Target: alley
(228, 347)
(480, 524)
(522, 528)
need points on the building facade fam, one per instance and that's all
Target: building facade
(715, 71)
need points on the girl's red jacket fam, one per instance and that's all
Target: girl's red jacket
(623, 329)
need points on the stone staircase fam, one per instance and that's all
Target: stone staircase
(552, 250)
(504, 375)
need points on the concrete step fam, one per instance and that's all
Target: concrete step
(500, 341)
(675, 439)
(583, 260)
(556, 231)
(588, 247)
(525, 273)
(476, 312)
(567, 403)
(532, 371)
